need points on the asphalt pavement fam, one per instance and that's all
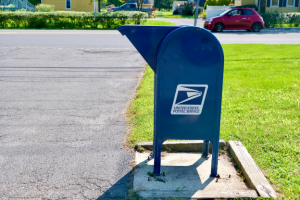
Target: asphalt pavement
(62, 127)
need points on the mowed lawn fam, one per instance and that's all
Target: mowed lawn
(260, 108)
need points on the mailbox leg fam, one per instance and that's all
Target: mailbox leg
(157, 157)
(214, 164)
(205, 148)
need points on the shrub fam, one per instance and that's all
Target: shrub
(21, 10)
(69, 19)
(44, 8)
(272, 19)
(188, 9)
(204, 15)
(175, 12)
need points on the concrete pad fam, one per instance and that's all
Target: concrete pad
(187, 175)
(180, 146)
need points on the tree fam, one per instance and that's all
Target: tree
(139, 4)
(163, 4)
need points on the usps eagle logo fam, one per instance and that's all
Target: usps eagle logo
(189, 99)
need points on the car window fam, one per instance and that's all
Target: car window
(132, 6)
(234, 12)
(223, 13)
(127, 6)
(248, 12)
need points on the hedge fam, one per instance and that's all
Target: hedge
(273, 19)
(76, 20)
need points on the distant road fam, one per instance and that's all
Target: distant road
(113, 39)
(265, 36)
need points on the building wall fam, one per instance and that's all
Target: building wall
(282, 9)
(237, 2)
(76, 5)
(248, 2)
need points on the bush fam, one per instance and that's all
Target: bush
(204, 15)
(44, 8)
(21, 10)
(63, 20)
(275, 18)
(188, 9)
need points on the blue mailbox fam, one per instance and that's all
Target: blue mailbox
(188, 63)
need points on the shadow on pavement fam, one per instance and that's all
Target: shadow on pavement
(119, 190)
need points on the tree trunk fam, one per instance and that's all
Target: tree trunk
(99, 9)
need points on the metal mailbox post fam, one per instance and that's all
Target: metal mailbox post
(188, 63)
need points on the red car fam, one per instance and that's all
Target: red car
(238, 18)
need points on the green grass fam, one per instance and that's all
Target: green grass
(156, 22)
(169, 14)
(260, 108)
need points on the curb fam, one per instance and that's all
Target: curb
(180, 146)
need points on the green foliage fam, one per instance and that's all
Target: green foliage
(44, 8)
(115, 2)
(188, 9)
(163, 4)
(21, 10)
(273, 19)
(151, 174)
(72, 20)
(35, 2)
(204, 15)
(260, 108)
(216, 3)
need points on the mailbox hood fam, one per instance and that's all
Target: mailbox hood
(146, 39)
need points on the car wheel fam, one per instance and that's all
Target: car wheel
(256, 27)
(218, 27)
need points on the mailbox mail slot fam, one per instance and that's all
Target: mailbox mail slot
(188, 63)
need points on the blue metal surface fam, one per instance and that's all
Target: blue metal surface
(147, 39)
(188, 63)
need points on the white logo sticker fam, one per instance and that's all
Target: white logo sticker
(189, 99)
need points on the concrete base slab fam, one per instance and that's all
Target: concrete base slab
(187, 175)
(180, 146)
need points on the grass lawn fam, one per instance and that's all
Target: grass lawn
(260, 108)
(156, 22)
(169, 14)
